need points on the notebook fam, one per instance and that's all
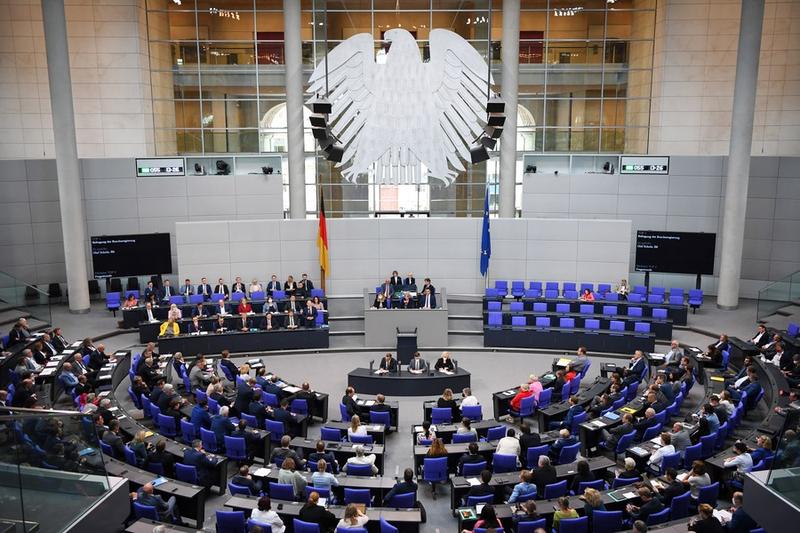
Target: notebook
(158, 481)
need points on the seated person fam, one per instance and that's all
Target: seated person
(575, 409)
(305, 287)
(169, 328)
(244, 307)
(291, 320)
(427, 300)
(244, 479)
(649, 505)
(654, 464)
(558, 386)
(484, 488)
(417, 365)
(221, 310)
(629, 472)
(648, 420)
(195, 326)
(310, 315)
(410, 283)
(199, 311)
(167, 510)
(130, 302)
(444, 363)
(471, 457)
(564, 511)
(243, 322)
(361, 458)
(271, 322)
(447, 400)
(524, 488)
(387, 365)
(401, 487)
(290, 287)
(564, 439)
(320, 454)
(220, 325)
(380, 301)
(587, 295)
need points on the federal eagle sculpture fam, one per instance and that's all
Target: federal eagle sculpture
(404, 114)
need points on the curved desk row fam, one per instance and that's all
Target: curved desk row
(568, 339)
(251, 341)
(661, 328)
(407, 384)
(148, 331)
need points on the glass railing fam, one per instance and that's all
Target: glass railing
(26, 299)
(784, 474)
(51, 469)
(778, 294)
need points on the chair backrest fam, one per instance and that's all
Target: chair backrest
(359, 470)
(130, 456)
(586, 309)
(473, 412)
(519, 321)
(708, 494)
(434, 469)
(167, 425)
(575, 385)
(403, 501)
(495, 318)
(652, 432)
(641, 327)
(691, 454)
(230, 521)
(250, 420)
(679, 506)
(461, 438)
(531, 526)
(266, 528)
(281, 491)
(574, 525)
(496, 433)
(533, 454)
(671, 460)
(606, 521)
(555, 490)
(490, 292)
(634, 311)
(361, 439)
(569, 453)
(635, 298)
(188, 431)
(494, 306)
(551, 285)
(675, 300)
(279, 294)
(623, 481)
(501, 286)
(625, 441)
(659, 313)
(209, 440)
(545, 397)
(304, 527)
(441, 415)
(357, 496)
(517, 307)
(562, 308)
(323, 493)
(186, 473)
(610, 310)
(473, 469)
(591, 323)
(275, 428)
(539, 307)
(476, 500)
(793, 329)
(380, 417)
(616, 325)
(566, 322)
(551, 293)
(707, 443)
(235, 447)
(597, 484)
(145, 511)
(386, 527)
(240, 489)
(542, 321)
(177, 299)
(503, 463)
(611, 297)
(658, 518)
(569, 286)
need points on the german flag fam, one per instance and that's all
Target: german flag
(322, 236)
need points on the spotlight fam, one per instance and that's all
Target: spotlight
(321, 105)
(478, 154)
(488, 142)
(493, 132)
(497, 120)
(318, 120)
(495, 105)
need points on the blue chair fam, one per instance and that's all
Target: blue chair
(494, 305)
(516, 307)
(490, 292)
(533, 454)
(237, 296)
(496, 433)
(323, 493)
(250, 420)
(517, 289)
(434, 470)
(570, 294)
(658, 518)
(130, 456)
(655, 299)
(610, 310)
(156, 468)
(531, 526)
(501, 287)
(585, 286)
(641, 327)
(441, 415)
(473, 469)
(269, 398)
(726, 357)
(562, 308)
(574, 388)
(659, 313)
(597, 484)
(477, 500)
(503, 463)
(386, 527)
(213, 405)
(568, 454)
(692, 454)
(253, 523)
(279, 295)
(209, 440)
(473, 412)
(230, 522)
(651, 432)
(695, 299)
(527, 406)
(361, 439)
(635, 311)
(495, 319)
(603, 288)
(113, 301)
(623, 481)
(358, 496)
(542, 321)
(331, 434)
(793, 329)
(484, 530)
(566, 322)
(676, 300)
(707, 443)
(611, 297)
(551, 294)
(403, 501)
(187, 473)
(616, 325)
(299, 406)
(722, 434)
(195, 299)
(639, 289)
(539, 307)
(544, 398)
(606, 521)
(462, 438)
(359, 470)
(235, 448)
(381, 417)
(592, 324)
(106, 449)
(136, 400)
(555, 490)
(343, 413)
(276, 430)
(177, 299)
(679, 506)
(671, 460)
(281, 491)
(708, 494)
(145, 511)
(531, 293)
(586, 309)
(635, 298)
(519, 321)
(304, 527)
(239, 489)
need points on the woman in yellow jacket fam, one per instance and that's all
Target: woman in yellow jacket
(170, 327)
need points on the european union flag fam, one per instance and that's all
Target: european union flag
(486, 239)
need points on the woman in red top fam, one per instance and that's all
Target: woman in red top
(524, 392)
(587, 295)
(244, 306)
(570, 374)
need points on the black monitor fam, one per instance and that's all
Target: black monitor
(675, 251)
(131, 255)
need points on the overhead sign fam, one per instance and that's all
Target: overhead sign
(644, 165)
(161, 166)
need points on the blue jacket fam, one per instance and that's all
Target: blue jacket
(752, 390)
(221, 426)
(200, 418)
(555, 448)
(68, 380)
(522, 489)
(200, 461)
(574, 411)
(741, 522)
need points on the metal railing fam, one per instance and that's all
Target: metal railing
(26, 298)
(778, 294)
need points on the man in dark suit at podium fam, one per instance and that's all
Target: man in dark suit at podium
(388, 364)
(417, 365)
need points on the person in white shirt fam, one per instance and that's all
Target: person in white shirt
(741, 459)
(509, 445)
(465, 428)
(356, 428)
(674, 355)
(148, 309)
(265, 515)
(468, 399)
(665, 449)
(255, 286)
(221, 308)
(361, 459)
(353, 518)
(322, 479)
(174, 312)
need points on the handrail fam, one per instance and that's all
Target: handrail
(778, 293)
(34, 287)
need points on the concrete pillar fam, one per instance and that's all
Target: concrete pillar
(744, 102)
(510, 95)
(73, 224)
(293, 56)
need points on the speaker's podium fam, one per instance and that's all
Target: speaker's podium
(381, 325)
(406, 345)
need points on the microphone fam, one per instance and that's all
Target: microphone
(371, 363)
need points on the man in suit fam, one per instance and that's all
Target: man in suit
(396, 281)
(292, 305)
(273, 285)
(402, 487)
(674, 487)
(159, 455)
(67, 379)
(47, 345)
(59, 341)
(279, 455)
(112, 438)
(198, 458)
(388, 364)
(741, 522)
(221, 288)
(417, 365)
(752, 387)
(205, 289)
(244, 479)
(167, 510)
(349, 401)
(221, 425)
(239, 286)
(544, 474)
(611, 437)
(20, 332)
(761, 337)
(305, 287)
(428, 300)
(195, 326)
(244, 395)
(282, 414)
(167, 291)
(636, 365)
(410, 283)
(484, 489)
(98, 358)
(653, 402)
(722, 344)
(320, 453)
(187, 289)
(200, 418)
(674, 355)
(309, 315)
(427, 285)
(257, 409)
(680, 438)
(649, 505)
(151, 291)
(271, 386)
(574, 410)
(526, 440)
(168, 395)
(471, 457)
(564, 439)
(647, 421)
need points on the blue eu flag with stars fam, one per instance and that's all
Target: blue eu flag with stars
(486, 239)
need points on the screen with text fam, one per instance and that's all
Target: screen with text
(675, 251)
(131, 255)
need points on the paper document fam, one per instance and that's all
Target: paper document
(629, 494)
(261, 472)
(473, 481)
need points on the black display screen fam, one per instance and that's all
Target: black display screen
(675, 251)
(131, 255)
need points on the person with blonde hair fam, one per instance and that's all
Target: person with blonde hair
(592, 501)
(356, 428)
(535, 386)
(353, 518)
(139, 446)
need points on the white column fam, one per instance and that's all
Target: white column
(293, 56)
(744, 102)
(73, 224)
(510, 95)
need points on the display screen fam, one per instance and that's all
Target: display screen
(161, 166)
(675, 251)
(131, 255)
(644, 165)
